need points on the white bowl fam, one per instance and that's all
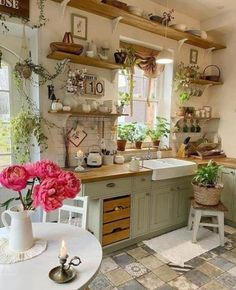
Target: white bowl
(135, 10)
(90, 53)
(181, 27)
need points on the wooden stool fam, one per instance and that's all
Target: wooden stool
(197, 211)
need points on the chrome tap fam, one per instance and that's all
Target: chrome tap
(147, 156)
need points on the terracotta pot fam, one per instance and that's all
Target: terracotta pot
(156, 143)
(138, 144)
(121, 145)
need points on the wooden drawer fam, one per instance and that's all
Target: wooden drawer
(116, 209)
(142, 182)
(109, 187)
(116, 226)
(115, 237)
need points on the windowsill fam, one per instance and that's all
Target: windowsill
(143, 150)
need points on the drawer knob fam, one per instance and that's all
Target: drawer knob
(143, 179)
(118, 208)
(111, 184)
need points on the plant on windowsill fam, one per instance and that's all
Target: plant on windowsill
(160, 130)
(140, 134)
(125, 132)
(183, 79)
(206, 186)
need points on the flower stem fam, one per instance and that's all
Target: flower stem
(21, 199)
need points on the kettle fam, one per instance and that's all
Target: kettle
(94, 158)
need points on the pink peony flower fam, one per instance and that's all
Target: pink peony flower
(71, 183)
(43, 169)
(49, 194)
(14, 177)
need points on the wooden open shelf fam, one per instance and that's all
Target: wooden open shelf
(92, 114)
(84, 60)
(206, 82)
(111, 12)
(195, 118)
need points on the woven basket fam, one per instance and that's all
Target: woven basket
(207, 195)
(67, 45)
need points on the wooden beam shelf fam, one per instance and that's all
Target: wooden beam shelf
(84, 60)
(206, 82)
(111, 12)
(92, 114)
(194, 118)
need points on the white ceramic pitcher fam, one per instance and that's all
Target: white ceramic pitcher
(20, 232)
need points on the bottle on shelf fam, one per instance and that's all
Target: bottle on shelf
(192, 127)
(198, 128)
(185, 126)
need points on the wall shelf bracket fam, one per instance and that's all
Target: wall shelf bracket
(115, 23)
(64, 4)
(181, 43)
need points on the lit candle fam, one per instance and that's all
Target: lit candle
(80, 154)
(63, 250)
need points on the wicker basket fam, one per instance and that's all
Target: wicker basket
(214, 78)
(207, 195)
(67, 45)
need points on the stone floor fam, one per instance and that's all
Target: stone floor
(138, 268)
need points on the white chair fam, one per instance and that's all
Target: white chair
(73, 210)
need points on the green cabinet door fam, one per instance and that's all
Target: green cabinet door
(181, 205)
(228, 194)
(161, 213)
(140, 213)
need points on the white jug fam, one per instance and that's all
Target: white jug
(134, 164)
(20, 232)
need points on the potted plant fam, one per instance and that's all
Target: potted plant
(160, 130)
(123, 135)
(206, 186)
(140, 134)
(120, 56)
(183, 78)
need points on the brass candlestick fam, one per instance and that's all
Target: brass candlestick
(63, 274)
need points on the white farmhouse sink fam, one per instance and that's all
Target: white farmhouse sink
(170, 168)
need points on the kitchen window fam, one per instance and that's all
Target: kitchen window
(5, 136)
(144, 108)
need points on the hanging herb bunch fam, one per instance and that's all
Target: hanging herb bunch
(75, 81)
(184, 76)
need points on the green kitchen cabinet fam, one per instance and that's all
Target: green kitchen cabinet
(161, 210)
(140, 213)
(228, 195)
(181, 205)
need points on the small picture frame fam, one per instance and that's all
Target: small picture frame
(193, 56)
(79, 26)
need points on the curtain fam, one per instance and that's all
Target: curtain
(147, 57)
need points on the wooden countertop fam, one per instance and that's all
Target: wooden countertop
(108, 172)
(226, 161)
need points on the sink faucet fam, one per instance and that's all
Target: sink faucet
(147, 156)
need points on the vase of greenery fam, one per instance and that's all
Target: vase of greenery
(140, 134)
(206, 186)
(184, 76)
(160, 130)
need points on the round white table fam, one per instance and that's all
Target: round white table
(33, 274)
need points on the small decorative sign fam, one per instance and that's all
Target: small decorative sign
(18, 8)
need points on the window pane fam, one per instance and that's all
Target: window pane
(4, 78)
(4, 107)
(4, 161)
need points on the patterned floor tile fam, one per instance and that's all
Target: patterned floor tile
(138, 253)
(131, 285)
(197, 277)
(232, 271)
(136, 269)
(123, 259)
(213, 285)
(222, 263)
(230, 230)
(227, 280)
(118, 276)
(181, 283)
(108, 264)
(151, 262)
(165, 273)
(161, 258)
(210, 270)
(150, 281)
(230, 256)
(195, 262)
(208, 256)
(101, 283)
(219, 250)
(166, 287)
(149, 250)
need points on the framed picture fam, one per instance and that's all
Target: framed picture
(79, 26)
(193, 56)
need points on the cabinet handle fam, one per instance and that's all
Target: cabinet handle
(147, 194)
(143, 179)
(111, 184)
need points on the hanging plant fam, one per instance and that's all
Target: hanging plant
(26, 126)
(183, 79)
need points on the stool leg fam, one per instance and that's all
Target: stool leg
(197, 219)
(215, 221)
(221, 228)
(190, 218)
